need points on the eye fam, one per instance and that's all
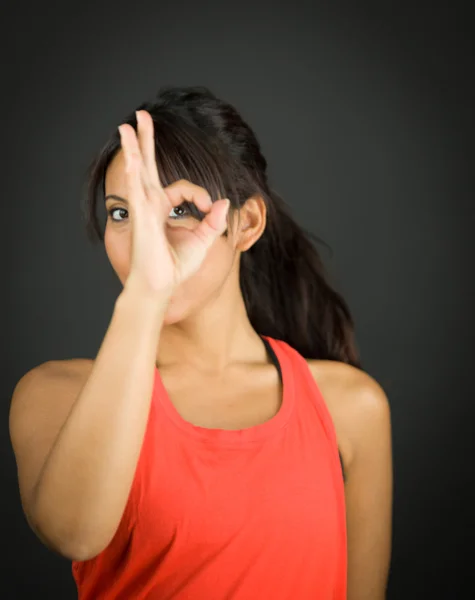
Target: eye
(179, 212)
(122, 211)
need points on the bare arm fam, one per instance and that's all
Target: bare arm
(361, 415)
(77, 449)
(76, 468)
(369, 490)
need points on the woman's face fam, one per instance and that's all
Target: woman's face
(218, 271)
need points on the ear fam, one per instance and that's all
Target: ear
(251, 222)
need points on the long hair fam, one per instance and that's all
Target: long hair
(286, 291)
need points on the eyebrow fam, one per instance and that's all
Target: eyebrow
(114, 197)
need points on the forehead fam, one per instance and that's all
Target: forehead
(115, 175)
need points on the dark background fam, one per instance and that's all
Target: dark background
(366, 114)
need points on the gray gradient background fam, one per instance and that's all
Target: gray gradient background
(365, 113)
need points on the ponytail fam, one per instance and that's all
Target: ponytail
(287, 293)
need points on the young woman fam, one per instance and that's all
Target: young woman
(224, 443)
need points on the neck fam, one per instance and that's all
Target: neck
(217, 336)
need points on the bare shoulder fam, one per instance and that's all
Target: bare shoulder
(356, 401)
(68, 373)
(348, 388)
(41, 402)
(45, 393)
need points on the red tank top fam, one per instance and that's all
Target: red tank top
(256, 513)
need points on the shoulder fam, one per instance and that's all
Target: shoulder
(48, 381)
(357, 404)
(348, 386)
(68, 370)
(41, 402)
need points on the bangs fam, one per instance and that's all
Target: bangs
(182, 151)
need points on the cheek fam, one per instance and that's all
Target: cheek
(117, 247)
(218, 263)
(214, 272)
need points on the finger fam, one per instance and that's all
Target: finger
(182, 190)
(192, 250)
(214, 224)
(146, 140)
(133, 161)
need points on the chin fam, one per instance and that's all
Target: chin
(172, 317)
(178, 310)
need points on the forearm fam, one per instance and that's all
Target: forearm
(83, 488)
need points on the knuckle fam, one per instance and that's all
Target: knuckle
(179, 183)
(151, 187)
(194, 188)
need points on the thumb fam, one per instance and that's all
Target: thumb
(192, 251)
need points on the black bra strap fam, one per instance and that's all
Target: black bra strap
(273, 357)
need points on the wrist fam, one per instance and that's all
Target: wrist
(139, 302)
(138, 287)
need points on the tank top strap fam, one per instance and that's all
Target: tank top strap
(303, 374)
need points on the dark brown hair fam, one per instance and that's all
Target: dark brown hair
(200, 138)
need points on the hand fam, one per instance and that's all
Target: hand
(157, 267)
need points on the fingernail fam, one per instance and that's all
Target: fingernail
(137, 116)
